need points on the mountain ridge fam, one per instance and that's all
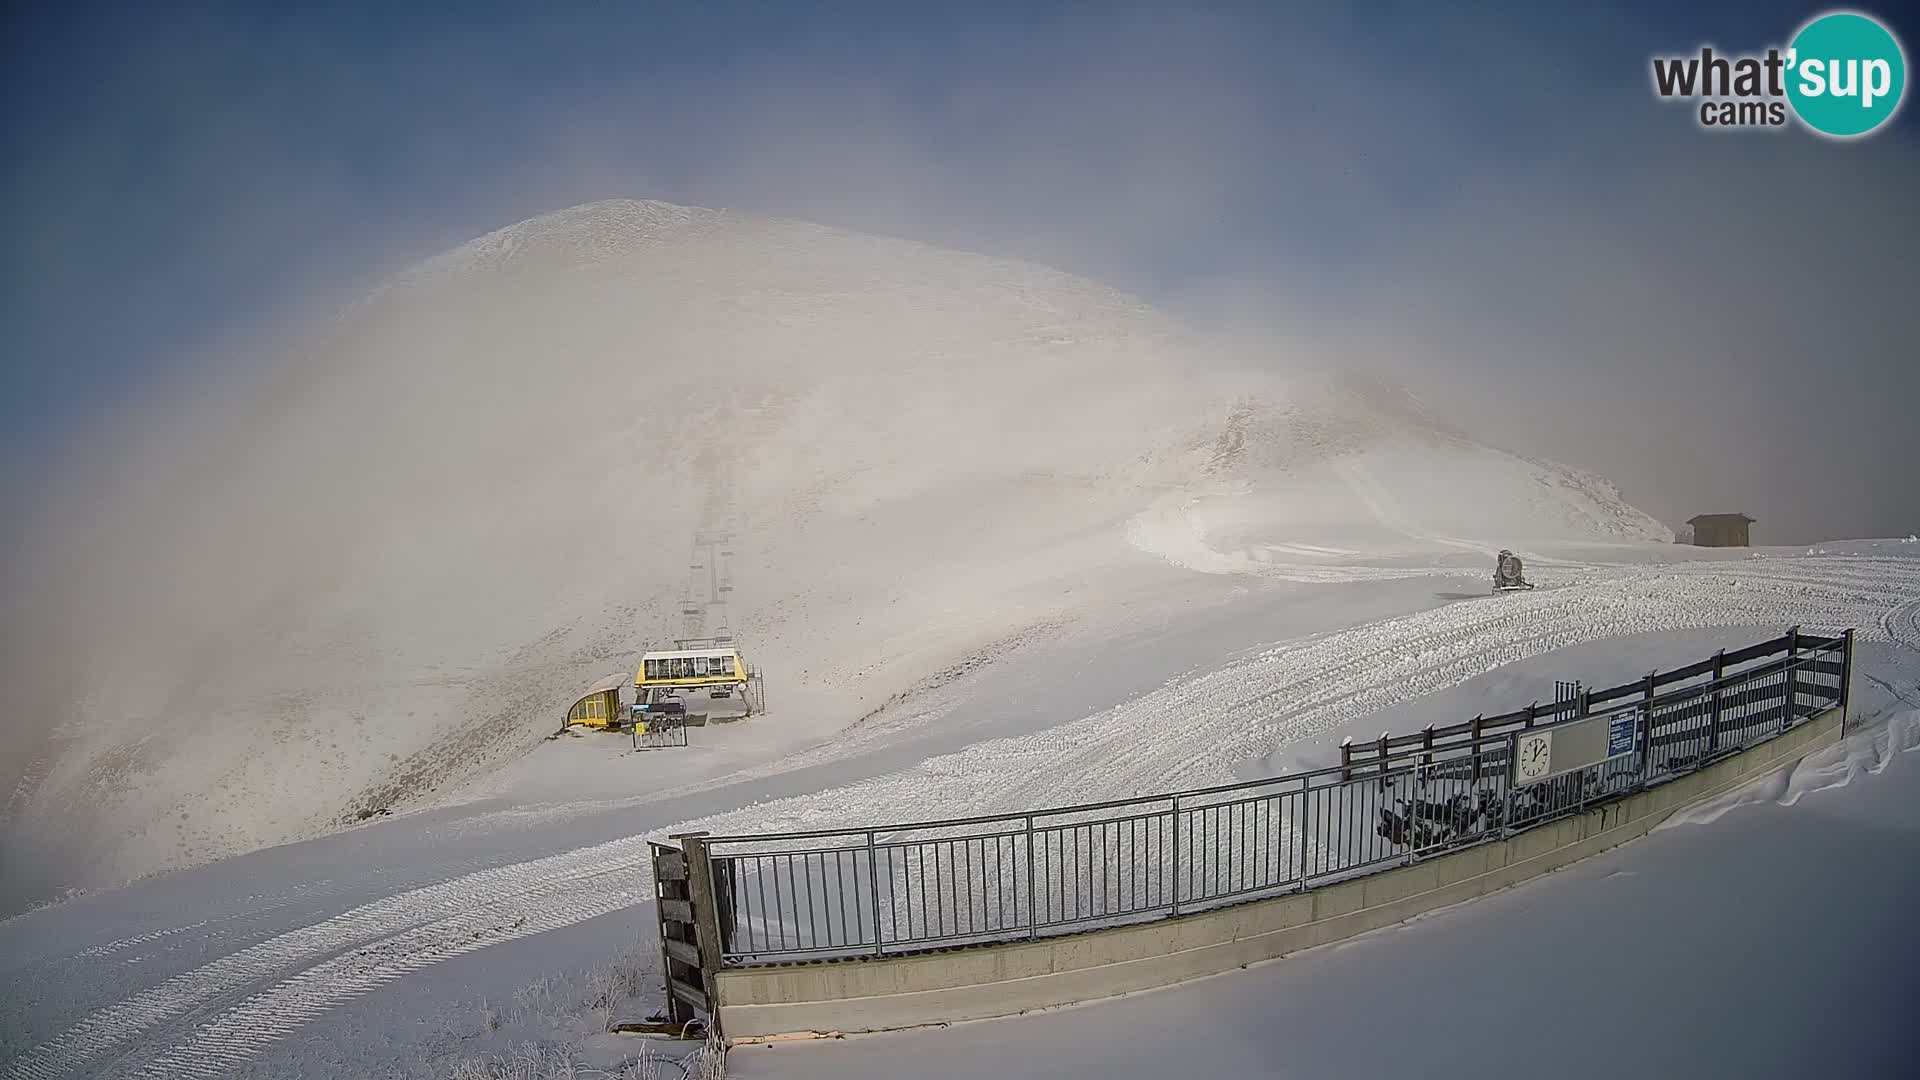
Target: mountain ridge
(478, 487)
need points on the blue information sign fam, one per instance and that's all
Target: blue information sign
(1620, 732)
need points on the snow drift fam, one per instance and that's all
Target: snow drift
(388, 563)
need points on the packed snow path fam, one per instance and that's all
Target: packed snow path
(299, 961)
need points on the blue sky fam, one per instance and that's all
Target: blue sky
(177, 182)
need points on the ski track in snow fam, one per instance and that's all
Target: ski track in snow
(210, 1020)
(1310, 549)
(1901, 625)
(1168, 530)
(1385, 509)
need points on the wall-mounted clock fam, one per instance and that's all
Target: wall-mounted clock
(1533, 756)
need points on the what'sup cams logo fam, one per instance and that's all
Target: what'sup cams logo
(1842, 76)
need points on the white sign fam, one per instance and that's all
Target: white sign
(1533, 756)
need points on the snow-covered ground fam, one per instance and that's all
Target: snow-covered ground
(973, 580)
(269, 964)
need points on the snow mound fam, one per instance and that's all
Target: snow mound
(1863, 753)
(388, 568)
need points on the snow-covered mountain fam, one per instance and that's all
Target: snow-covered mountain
(471, 495)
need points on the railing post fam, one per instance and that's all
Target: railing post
(1426, 745)
(1506, 796)
(1033, 911)
(1382, 746)
(706, 920)
(1713, 720)
(873, 883)
(1646, 728)
(1584, 775)
(1793, 659)
(1414, 800)
(1845, 687)
(1175, 830)
(1306, 832)
(1478, 721)
(1513, 745)
(1346, 760)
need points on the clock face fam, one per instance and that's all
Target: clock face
(1535, 756)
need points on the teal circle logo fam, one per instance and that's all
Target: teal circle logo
(1846, 74)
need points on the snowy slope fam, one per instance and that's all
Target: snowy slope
(291, 961)
(1339, 477)
(390, 569)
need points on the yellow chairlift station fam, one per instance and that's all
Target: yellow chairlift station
(714, 666)
(720, 666)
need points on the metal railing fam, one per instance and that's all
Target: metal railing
(656, 731)
(1009, 877)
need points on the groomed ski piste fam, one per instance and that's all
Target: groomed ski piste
(1307, 561)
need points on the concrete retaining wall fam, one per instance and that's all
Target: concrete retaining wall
(1002, 980)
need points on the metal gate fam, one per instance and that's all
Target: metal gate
(690, 938)
(657, 731)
